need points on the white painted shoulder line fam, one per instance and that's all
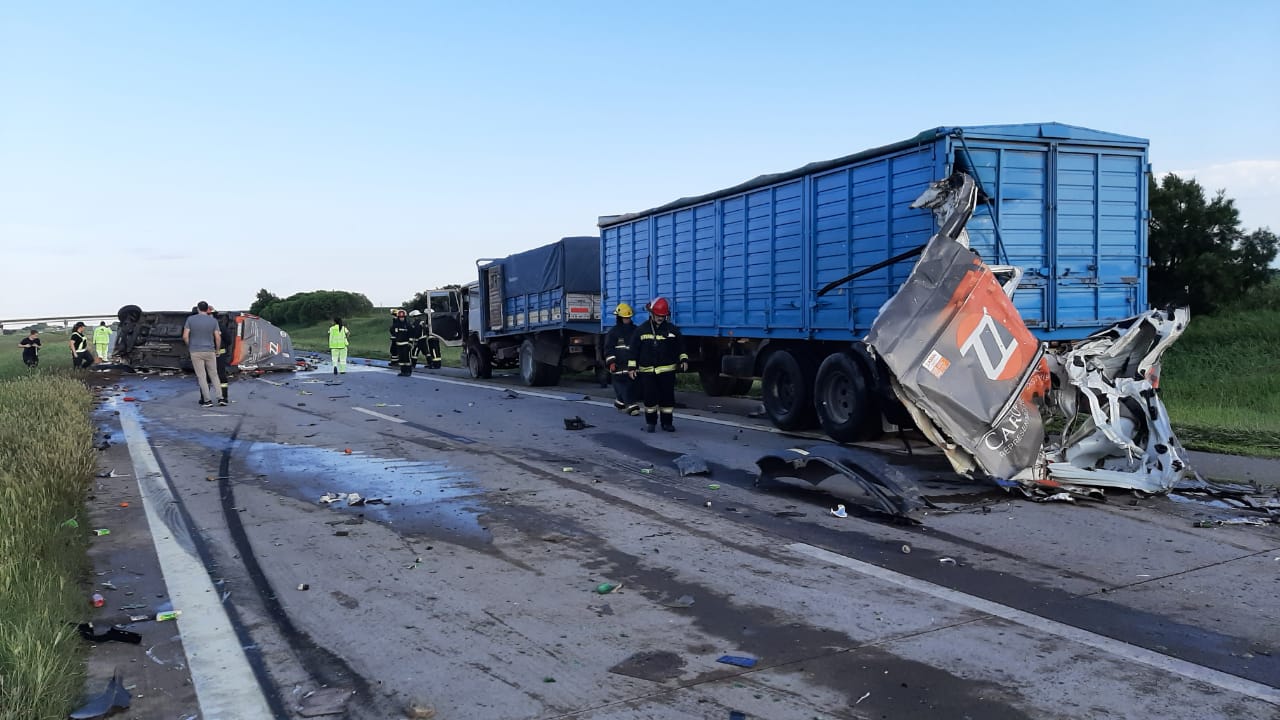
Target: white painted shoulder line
(225, 684)
(376, 414)
(1118, 648)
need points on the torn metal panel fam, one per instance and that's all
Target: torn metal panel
(887, 488)
(976, 381)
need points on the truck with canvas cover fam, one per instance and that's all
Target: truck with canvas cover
(744, 268)
(538, 310)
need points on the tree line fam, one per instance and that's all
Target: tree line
(306, 308)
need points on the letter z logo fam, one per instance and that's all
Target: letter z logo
(994, 352)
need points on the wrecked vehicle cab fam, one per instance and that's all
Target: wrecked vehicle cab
(979, 385)
(152, 340)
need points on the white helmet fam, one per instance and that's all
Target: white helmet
(415, 313)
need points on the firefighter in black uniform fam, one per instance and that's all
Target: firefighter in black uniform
(401, 343)
(659, 355)
(618, 353)
(417, 339)
(79, 344)
(227, 325)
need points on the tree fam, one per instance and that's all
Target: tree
(264, 299)
(1200, 256)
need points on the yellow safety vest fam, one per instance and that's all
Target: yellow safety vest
(101, 335)
(338, 336)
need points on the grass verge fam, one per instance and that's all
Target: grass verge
(1221, 383)
(46, 462)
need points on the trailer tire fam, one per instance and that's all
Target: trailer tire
(846, 405)
(534, 373)
(129, 314)
(478, 363)
(788, 390)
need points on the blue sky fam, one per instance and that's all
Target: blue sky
(179, 151)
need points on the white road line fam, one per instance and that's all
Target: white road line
(388, 418)
(271, 382)
(225, 684)
(1118, 648)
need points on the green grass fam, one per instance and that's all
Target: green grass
(1221, 383)
(46, 466)
(369, 338)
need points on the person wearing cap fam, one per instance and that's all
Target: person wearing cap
(102, 340)
(31, 349)
(339, 339)
(618, 353)
(401, 343)
(659, 355)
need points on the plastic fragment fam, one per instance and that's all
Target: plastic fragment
(906, 549)
(102, 531)
(606, 588)
(168, 615)
(113, 698)
(947, 561)
(738, 660)
(839, 511)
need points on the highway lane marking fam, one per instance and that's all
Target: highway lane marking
(379, 415)
(225, 684)
(1118, 648)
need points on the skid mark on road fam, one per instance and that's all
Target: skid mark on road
(1120, 649)
(224, 681)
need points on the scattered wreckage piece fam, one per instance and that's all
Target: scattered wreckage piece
(887, 488)
(691, 465)
(113, 698)
(977, 382)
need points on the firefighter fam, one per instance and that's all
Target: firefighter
(102, 340)
(618, 353)
(417, 339)
(227, 327)
(659, 355)
(401, 344)
(79, 344)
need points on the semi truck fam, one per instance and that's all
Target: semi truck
(745, 268)
(538, 311)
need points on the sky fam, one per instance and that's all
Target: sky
(162, 153)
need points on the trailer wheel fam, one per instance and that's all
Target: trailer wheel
(788, 390)
(534, 373)
(478, 363)
(129, 314)
(845, 403)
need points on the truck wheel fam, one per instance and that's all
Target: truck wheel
(846, 406)
(534, 373)
(478, 363)
(129, 314)
(788, 391)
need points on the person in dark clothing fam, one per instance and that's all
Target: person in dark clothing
(227, 325)
(617, 354)
(659, 354)
(401, 343)
(30, 349)
(79, 344)
(417, 339)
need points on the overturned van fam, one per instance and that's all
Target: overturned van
(152, 340)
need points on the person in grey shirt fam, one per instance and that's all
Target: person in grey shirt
(203, 339)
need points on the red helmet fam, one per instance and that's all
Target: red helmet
(660, 307)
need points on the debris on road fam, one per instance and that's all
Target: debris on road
(692, 465)
(112, 634)
(329, 498)
(420, 711)
(168, 615)
(112, 699)
(738, 660)
(303, 586)
(606, 588)
(102, 531)
(839, 511)
(576, 423)
(112, 474)
(97, 600)
(684, 601)
(906, 549)
(885, 487)
(327, 701)
(947, 561)
(864, 697)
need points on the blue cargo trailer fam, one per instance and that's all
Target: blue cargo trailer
(741, 267)
(538, 310)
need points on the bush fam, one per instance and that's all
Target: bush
(316, 306)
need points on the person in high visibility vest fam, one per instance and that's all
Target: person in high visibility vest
(102, 340)
(79, 344)
(339, 339)
(659, 355)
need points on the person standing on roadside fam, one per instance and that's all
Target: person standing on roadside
(618, 353)
(203, 338)
(401, 344)
(102, 340)
(659, 355)
(227, 327)
(79, 344)
(339, 339)
(30, 349)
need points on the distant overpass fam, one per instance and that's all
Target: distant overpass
(63, 321)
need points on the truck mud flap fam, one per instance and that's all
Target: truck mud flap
(886, 487)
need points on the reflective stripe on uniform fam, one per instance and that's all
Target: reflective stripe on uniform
(659, 369)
